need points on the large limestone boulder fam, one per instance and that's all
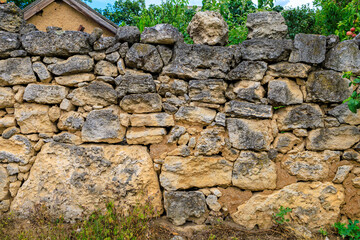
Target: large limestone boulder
(45, 94)
(284, 91)
(74, 64)
(161, 34)
(266, 25)
(87, 176)
(208, 28)
(145, 57)
(266, 49)
(59, 43)
(185, 206)
(199, 62)
(313, 205)
(129, 34)
(134, 82)
(327, 86)
(309, 48)
(18, 149)
(254, 171)
(12, 18)
(248, 70)
(344, 57)
(14, 71)
(245, 109)
(209, 91)
(8, 42)
(189, 172)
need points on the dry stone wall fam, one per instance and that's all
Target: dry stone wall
(201, 132)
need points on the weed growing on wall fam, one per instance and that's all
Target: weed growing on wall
(354, 100)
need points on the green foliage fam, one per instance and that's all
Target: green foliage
(353, 101)
(323, 232)
(351, 231)
(279, 217)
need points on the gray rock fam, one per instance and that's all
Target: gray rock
(103, 126)
(53, 29)
(27, 28)
(165, 53)
(302, 116)
(6, 97)
(12, 18)
(9, 132)
(41, 71)
(66, 137)
(266, 49)
(96, 93)
(209, 91)
(176, 87)
(244, 109)
(249, 90)
(175, 133)
(185, 206)
(74, 64)
(95, 35)
(344, 115)
(12, 169)
(141, 103)
(18, 53)
(161, 34)
(211, 141)
(220, 119)
(250, 133)
(332, 41)
(292, 70)
(145, 57)
(342, 173)
(64, 43)
(105, 68)
(9, 41)
(129, 34)
(266, 25)
(70, 121)
(199, 62)
(284, 92)
(104, 43)
(344, 57)
(45, 94)
(248, 70)
(308, 48)
(213, 203)
(113, 57)
(124, 48)
(114, 48)
(134, 82)
(327, 86)
(14, 71)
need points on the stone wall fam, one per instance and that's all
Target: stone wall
(202, 132)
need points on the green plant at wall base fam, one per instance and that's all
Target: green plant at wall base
(279, 217)
(353, 101)
(351, 231)
(323, 232)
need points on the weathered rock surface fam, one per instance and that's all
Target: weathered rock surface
(45, 94)
(342, 173)
(195, 115)
(309, 48)
(161, 34)
(145, 136)
(129, 34)
(34, 118)
(71, 121)
(87, 176)
(4, 184)
(344, 115)
(211, 141)
(266, 49)
(73, 80)
(104, 43)
(199, 172)
(14, 71)
(244, 109)
(310, 166)
(314, 205)
(134, 82)
(103, 126)
(266, 25)
(249, 90)
(285, 142)
(12, 18)
(301, 116)
(337, 138)
(96, 93)
(8, 42)
(327, 86)
(254, 171)
(145, 57)
(141, 103)
(344, 57)
(284, 92)
(165, 53)
(17, 149)
(248, 70)
(152, 120)
(41, 71)
(292, 70)
(6, 97)
(105, 68)
(208, 28)
(74, 64)
(199, 62)
(185, 206)
(250, 134)
(209, 91)
(60, 43)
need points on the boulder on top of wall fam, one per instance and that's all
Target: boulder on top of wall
(209, 91)
(141, 103)
(327, 86)
(130, 34)
(208, 28)
(336, 138)
(134, 82)
(245, 109)
(266, 49)
(185, 206)
(127, 175)
(74, 64)
(14, 71)
(161, 34)
(199, 62)
(291, 70)
(12, 18)
(63, 43)
(283, 91)
(313, 205)
(301, 116)
(44, 93)
(9, 41)
(104, 43)
(308, 48)
(145, 57)
(248, 70)
(344, 57)
(344, 115)
(266, 25)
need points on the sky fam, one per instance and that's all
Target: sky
(284, 3)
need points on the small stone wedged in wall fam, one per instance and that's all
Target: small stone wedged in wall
(145, 57)
(74, 64)
(133, 82)
(248, 70)
(161, 34)
(283, 91)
